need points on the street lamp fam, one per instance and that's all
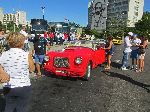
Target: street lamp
(43, 11)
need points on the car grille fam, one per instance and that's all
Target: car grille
(61, 62)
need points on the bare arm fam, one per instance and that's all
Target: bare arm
(4, 77)
(31, 63)
(110, 45)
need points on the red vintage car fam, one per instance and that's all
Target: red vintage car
(74, 61)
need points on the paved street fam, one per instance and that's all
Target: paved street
(107, 91)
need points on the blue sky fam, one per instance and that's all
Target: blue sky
(56, 10)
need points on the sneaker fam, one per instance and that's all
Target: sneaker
(136, 67)
(132, 67)
(124, 68)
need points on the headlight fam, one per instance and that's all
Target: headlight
(78, 60)
(46, 58)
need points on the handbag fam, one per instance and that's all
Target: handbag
(141, 51)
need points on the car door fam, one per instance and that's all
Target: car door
(99, 56)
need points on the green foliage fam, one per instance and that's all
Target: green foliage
(10, 26)
(143, 26)
(95, 33)
(86, 31)
(1, 24)
(91, 32)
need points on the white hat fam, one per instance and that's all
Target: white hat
(130, 33)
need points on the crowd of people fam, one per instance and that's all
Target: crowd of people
(134, 47)
(15, 67)
(16, 63)
(59, 37)
(19, 59)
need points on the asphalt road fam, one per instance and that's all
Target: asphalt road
(106, 91)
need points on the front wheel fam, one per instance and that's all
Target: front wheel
(87, 73)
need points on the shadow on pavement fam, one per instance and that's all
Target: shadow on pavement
(116, 65)
(47, 74)
(129, 79)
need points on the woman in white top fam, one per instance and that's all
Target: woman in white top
(17, 63)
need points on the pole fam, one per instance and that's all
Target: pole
(6, 26)
(43, 11)
(14, 27)
(43, 16)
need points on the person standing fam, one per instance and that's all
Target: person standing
(26, 42)
(127, 50)
(3, 43)
(40, 44)
(56, 37)
(65, 37)
(142, 52)
(110, 51)
(61, 38)
(51, 36)
(134, 53)
(45, 34)
(16, 63)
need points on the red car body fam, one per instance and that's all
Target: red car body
(63, 63)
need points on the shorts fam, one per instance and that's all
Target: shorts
(134, 54)
(39, 58)
(110, 52)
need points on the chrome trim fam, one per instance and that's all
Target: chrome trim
(61, 62)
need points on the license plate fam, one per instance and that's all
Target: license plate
(58, 71)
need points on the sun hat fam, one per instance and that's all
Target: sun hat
(130, 33)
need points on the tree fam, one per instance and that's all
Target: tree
(95, 33)
(143, 26)
(1, 24)
(10, 26)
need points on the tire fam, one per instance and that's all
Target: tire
(88, 72)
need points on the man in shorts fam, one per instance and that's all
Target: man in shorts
(134, 53)
(40, 44)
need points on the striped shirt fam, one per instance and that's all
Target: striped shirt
(15, 63)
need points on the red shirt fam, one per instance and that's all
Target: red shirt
(51, 35)
(45, 34)
(65, 36)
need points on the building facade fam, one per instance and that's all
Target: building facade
(8, 18)
(18, 18)
(120, 13)
(1, 15)
(135, 12)
(97, 14)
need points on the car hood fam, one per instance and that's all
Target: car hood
(71, 51)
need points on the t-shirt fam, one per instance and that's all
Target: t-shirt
(40, 45)
(15, 63)
(135, 42)
(127, 44)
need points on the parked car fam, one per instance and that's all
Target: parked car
(118, 41)
(101, 41)
(75, 61)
